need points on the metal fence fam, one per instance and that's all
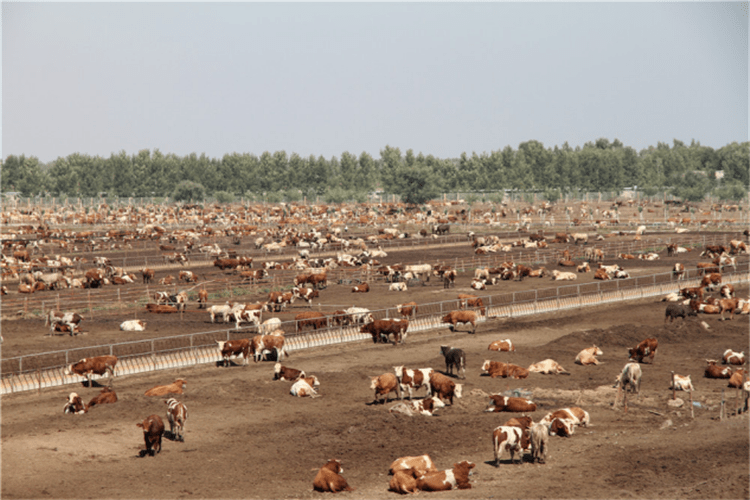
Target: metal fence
(47, 369)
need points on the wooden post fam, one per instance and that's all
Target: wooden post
(721, 412)
(692, 407)
(674, 396)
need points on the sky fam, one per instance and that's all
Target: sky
(326, 78)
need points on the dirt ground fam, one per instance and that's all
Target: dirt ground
(246, 437)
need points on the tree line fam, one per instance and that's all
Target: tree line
(686, 171)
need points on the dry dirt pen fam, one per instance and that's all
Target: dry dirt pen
(47, 369)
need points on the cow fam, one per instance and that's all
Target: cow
(728, 305)
(425, 407)
(404, 481)
(106, 396)
(725, 260)
(384, 385)
(727, 291)
(678, 311)
(457, 477)
(710, 281)
(177, 414)
(269, 326)
(362, 288)
(202, 298)
(311, 318)
(737, 247)
(99, 365)
(678, 271)
(580, 237)
(443, 387)
(75, 405)
(468, 300)
(707, 268)
(147, 274)
(359, 315)
(305, 387)
(454, 357)
(548, 366)
(70, 319)
(559, 276)
(380, 329)
(397, 287)
(647, 348)
(588, 356)
(160, 309)
(737, 379)
(512, 438)
(601, 274)
(465, 317)
(538, 434)
(306, 294)
(223, 264)
(187, 276)
(262, 344)
(286, 373)
(329, 478)
(412, 380)
(502, 345)
(222, 310)
(733, 358)
(499, 403)
(574, 416)
(422, 464)
(408, 310)
(713, 371)
(681, 383)
(229, 348)
(175, 387)
(504, 370)
(133, 325)
(449, 278)
(630, 377)
(153, 428)
(584, 268)
(441, 229)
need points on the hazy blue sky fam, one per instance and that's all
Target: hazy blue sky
(324, 78)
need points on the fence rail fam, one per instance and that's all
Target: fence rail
(42, 370)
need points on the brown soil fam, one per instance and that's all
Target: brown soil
(246, 437)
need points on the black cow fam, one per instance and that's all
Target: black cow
(678, 311)
(454, 357)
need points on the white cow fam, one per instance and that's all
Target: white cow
(133, 325)
(397, 287)
(563, 276)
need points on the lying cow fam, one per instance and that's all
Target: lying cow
(713, 371)
(133, 325)
(286, 373)
(502, 345)
(422, 464)
(504, 370)
(329, 478)
(106, 396)
(175, 387)
(305, 387)
(74, 405)
(588, 356)
(733, 358)
(681, 383)
(426, 407)
(457, 477)
(548, 366)
(500, 403)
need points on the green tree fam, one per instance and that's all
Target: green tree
(416, 185)
(189, 191)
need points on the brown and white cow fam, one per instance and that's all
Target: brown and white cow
(737, 380)
(408, 309)
(504, 370)
(260, 345)
(574, 415)
(177, 414)
(713, 371)
(404, 481)
(733, 358)
(305, 387)
(511, 438)
(99, 365)
(411, 380)
(457, 477)
(329, 478)
(499, 403)
(175, 387)
(682, 383)
(74, 405)
(230, 348)
(153, 429)
(286, 373)
(678, 271)
(467, 300)
(306, 294)
(502, 345)
(383, 385)
(645, 349)
(361, 288)
(422, 464)
(70, 319)
(425, 407)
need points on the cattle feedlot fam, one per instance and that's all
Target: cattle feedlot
(246, 436)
